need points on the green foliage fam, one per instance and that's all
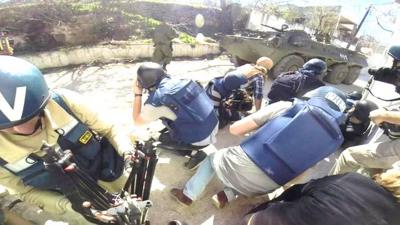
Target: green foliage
(186, 38)
(152, 22)
(291, 15)
(323, 19)
(85, 8)
(149, 22)
(146, 41)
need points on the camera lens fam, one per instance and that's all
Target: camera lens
(372, 71)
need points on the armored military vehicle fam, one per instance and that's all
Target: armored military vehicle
(289, 49)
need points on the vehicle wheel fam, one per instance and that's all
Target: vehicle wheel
(337, 74)
(288, 63)
(352, 75)
(238, 61)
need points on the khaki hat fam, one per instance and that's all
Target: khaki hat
(265, 62)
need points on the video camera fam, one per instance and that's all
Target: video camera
(387, 75)
(239, 101)
(130, 207)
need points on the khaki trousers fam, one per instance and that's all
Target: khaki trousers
(379, 155)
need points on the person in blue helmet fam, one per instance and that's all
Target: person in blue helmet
(30, 114)
(183, 107)
(295, 83)
(266, 159)
(233, 92)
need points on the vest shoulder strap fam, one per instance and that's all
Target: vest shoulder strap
(56, 97)
(60, 101)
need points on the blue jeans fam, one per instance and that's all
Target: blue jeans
(199, 181)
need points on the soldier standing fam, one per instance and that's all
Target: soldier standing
(162, 39)
(5, 46)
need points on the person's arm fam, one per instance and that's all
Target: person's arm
(258, 91)
(174, 33)
(258, 118)
(137, 105)
(381, 115)
(257, 104)
(47, 200)
(11, 218)
(243, 126)
(97, 121)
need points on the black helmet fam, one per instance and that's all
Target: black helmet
(394, 51)
(23, 91)
(150, 74)
(354, 95)
(362, 109)
(317, 65)
(336, 98)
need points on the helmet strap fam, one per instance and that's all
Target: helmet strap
(38, 124)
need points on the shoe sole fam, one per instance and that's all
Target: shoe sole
(177, 200)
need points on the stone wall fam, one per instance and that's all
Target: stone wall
(110, 53)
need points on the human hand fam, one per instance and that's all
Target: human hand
(126, 210)
(378, 116)
(129, 161)
(131, 158)
(102, 216)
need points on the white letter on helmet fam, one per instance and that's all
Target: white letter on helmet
(14, 113)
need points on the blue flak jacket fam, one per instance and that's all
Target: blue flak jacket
(291, 143)
(195, 117)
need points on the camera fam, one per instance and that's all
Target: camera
(387, 75)
(240, 101)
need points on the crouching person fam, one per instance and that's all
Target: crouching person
(29, 115)
(183, 107)
(342, 199)
(358, 122)
(296, 83)
(373, 156)
(291, 138)
(221, 90)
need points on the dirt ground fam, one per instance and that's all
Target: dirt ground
(109, 88)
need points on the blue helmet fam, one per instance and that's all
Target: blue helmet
(318, 66)
(150, 74)
(394, 51)
(23, 91)
(335, 97)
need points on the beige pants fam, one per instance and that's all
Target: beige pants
(379, 155)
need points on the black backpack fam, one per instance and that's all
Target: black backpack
(292, 84)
